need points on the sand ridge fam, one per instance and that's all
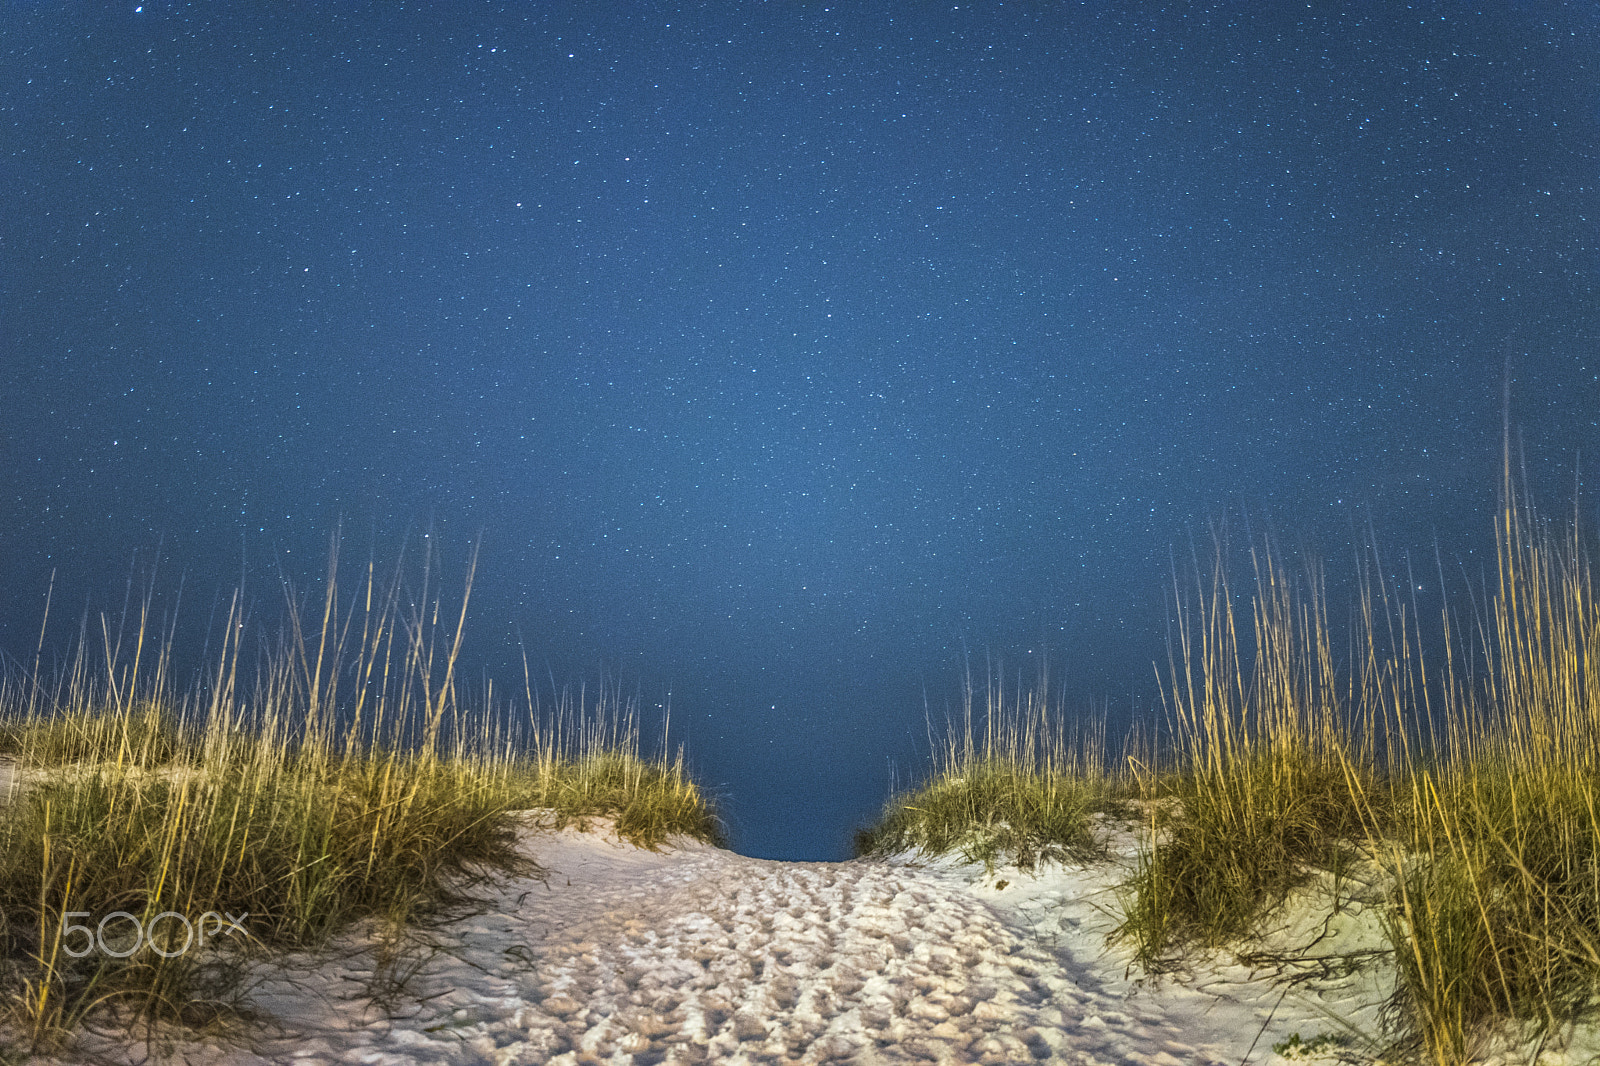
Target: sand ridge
(694, 954)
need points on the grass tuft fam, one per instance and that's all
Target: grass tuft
(1258, 785)
(649, 802)
(146, 734)
(1017, 791)
(347, 784)
(1473, 778)
(1495, 918)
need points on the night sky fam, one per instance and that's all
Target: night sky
(782, 355)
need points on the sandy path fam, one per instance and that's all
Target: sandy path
(695, 955)
(716, 956)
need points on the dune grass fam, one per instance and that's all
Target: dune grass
(1460, 761)
(1261, 767)
(349, 783)
(587, 763)
(1473, 783)
(1496, 915)
(1017, 789)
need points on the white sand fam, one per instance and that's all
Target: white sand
(694, 954)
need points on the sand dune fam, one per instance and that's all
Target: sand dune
(694, 954)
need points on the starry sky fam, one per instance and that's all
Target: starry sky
(783, 357)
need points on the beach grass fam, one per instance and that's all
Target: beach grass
(1264, 748)
(1010, 785)
(158, 841)
(587, 763)
(1469, 777)
(351, 780)
(1455, 759)
(1496, 915)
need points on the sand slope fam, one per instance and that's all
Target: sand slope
(695, 955)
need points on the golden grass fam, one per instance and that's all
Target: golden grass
(588, 764)
(1496, 919)
(1018, 789)
(1464, 761)
(1260, 762)
(350, 782)
(1475, 786)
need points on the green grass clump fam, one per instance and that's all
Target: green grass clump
(1296, 1048)
(992, 813)
(1019, 791)
(345, 786)
(147, 733)
(1496, 914)
(1472, 780)
(303, 848)
(649, 802)
(1233, 848)
(1488, 830)
(1258, 789)
(585, 762)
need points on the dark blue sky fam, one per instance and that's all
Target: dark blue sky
(777, 351)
